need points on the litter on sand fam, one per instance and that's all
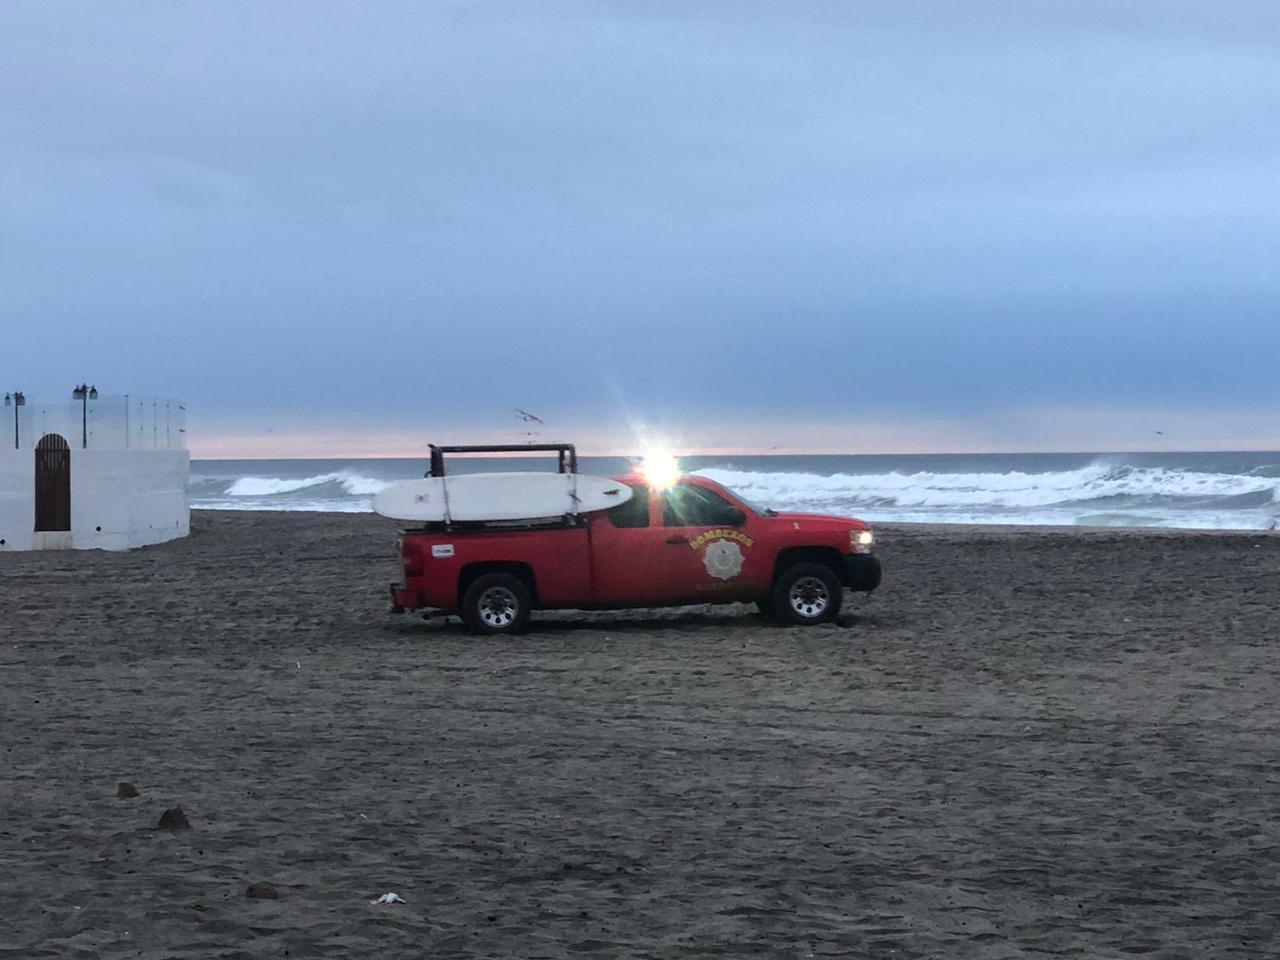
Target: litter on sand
(387, 898)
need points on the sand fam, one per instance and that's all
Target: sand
(1027, 743)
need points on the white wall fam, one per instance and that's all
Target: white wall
(17, 498)
(119, 498)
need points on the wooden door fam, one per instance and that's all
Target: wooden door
(53, 483)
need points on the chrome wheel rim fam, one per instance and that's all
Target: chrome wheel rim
(809, 597)
(498, 607)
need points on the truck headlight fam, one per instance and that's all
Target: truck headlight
(863, 540)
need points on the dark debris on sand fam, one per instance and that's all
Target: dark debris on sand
(173, 819)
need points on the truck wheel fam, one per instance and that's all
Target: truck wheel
(808, 593)
(496, 603)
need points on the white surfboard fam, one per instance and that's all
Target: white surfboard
(498, 496)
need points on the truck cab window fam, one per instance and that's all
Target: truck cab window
(633, 513)
(686, 505)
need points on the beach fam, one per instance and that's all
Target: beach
(1029, 742)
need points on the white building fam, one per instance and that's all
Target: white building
(104, 472)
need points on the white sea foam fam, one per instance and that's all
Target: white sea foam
(1005, 490)
(363, 486)
(353, 484)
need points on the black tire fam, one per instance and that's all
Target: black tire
(497, 603)
(806, 594)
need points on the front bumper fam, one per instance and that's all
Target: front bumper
(862, 571)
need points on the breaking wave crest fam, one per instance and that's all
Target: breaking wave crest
(1011, 489)
(1098, 493)
(268, 486)
(340, 491)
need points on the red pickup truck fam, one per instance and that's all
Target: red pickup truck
(693, 542)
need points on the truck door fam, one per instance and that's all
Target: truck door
(711, 553)
(627, 550)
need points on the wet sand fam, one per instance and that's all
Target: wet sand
(1027, 743)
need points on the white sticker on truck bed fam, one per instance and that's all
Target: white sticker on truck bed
(442, 549)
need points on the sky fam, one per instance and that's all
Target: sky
(354, 228)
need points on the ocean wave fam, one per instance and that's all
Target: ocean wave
(1012, 490)
(353, 484)
(353, 505)
(1107, 491)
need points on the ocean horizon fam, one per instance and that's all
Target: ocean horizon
(1193, 490)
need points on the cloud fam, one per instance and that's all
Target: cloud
(813, 210)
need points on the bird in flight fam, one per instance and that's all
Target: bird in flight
(528, 417)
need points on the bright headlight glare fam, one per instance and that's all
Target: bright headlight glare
(866, 538)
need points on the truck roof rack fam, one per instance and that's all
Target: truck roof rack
(568, 454)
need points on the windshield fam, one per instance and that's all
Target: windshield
(754, 507)
(750, 505)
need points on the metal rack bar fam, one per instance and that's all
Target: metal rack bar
(568, 454)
